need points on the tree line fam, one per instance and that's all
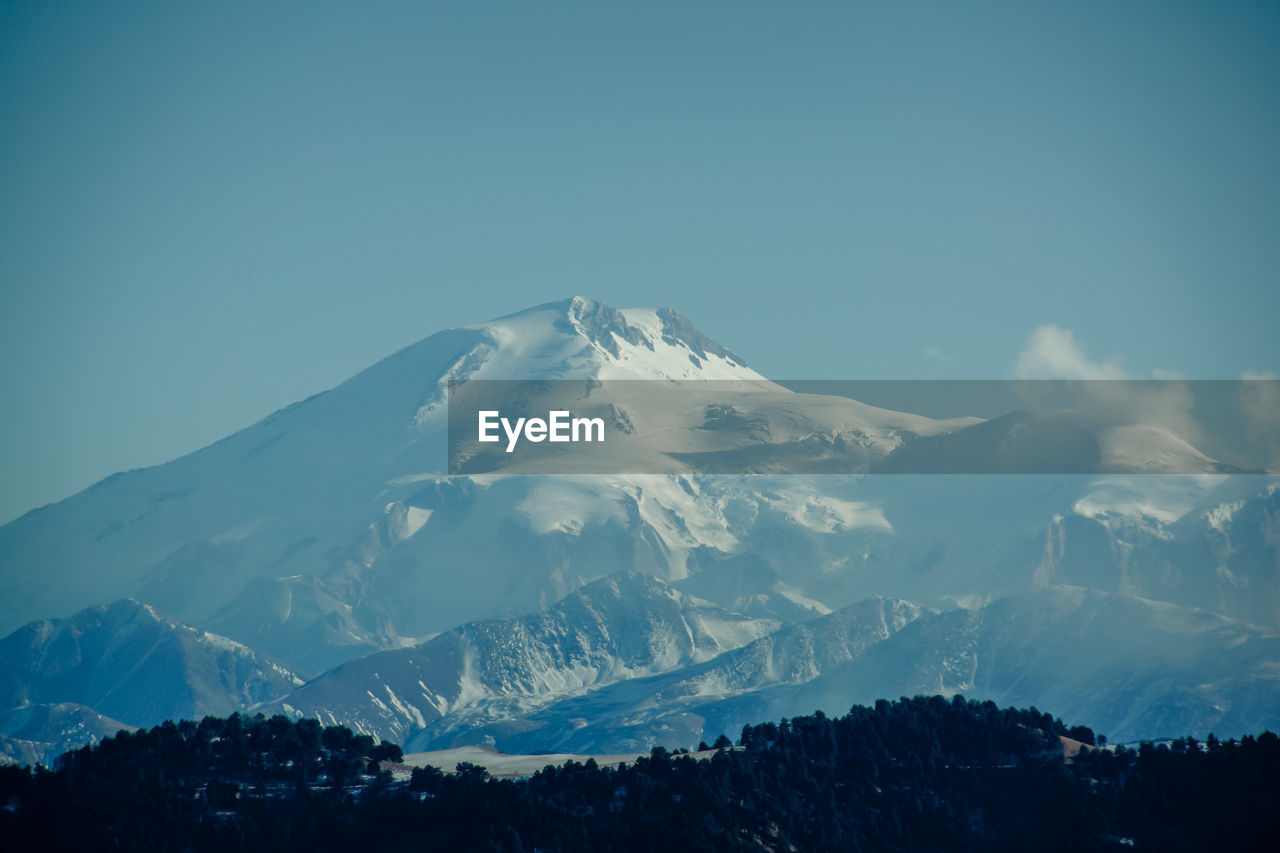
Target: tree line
(926, 773)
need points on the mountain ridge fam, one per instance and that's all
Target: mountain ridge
(622, 626)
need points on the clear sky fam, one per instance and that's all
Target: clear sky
(209, 211)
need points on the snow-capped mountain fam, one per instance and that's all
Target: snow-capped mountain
(328, 535)
(315, 492)
(327, 530)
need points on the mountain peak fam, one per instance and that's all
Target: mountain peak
(580, 337)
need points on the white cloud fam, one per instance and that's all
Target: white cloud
(1052, 353)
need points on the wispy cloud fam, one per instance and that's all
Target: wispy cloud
(1053, 353)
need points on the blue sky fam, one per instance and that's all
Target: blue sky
(210, 211)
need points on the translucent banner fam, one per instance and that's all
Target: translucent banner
(864, 427)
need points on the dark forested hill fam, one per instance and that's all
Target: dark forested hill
(916, 774)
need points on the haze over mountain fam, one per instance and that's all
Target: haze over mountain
(328, 535)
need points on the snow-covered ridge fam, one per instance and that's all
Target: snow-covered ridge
(622, 627)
